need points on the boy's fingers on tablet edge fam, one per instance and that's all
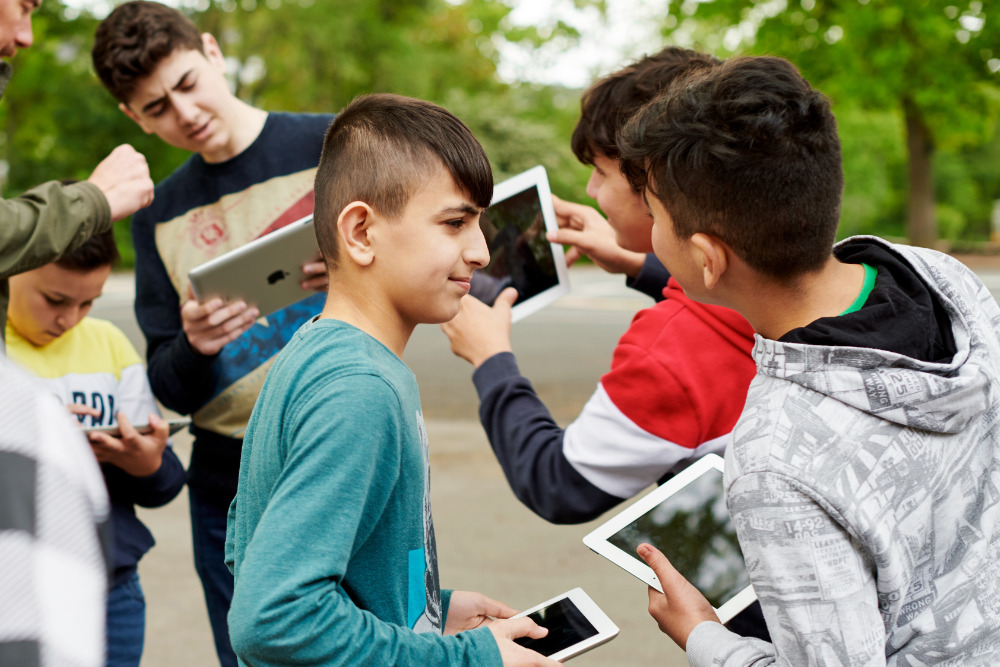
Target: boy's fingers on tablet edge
(507, 297)
(654, 558)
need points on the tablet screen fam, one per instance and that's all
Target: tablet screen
(520, 255)
(693, 529)
(567, 626)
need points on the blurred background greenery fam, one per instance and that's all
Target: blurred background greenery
(915, 86)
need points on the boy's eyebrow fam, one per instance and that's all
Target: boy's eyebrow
(464, 208)
(59, 295)
(159, 100)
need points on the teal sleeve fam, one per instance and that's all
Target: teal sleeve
(289, 607)
(445, 602)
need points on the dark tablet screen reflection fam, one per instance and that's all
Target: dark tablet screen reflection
(567, 626)
(520, 255)
(693, 529)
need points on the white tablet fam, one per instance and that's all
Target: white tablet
(520, 256)
(685, 518)
(266, 272)
(576, 624)
(174, 424)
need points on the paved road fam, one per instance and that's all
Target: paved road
(487, 540)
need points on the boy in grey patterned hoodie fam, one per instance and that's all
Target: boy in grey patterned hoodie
(864, 475)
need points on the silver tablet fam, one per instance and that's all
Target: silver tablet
(576, 624)
(266, 272)
(174, 425)
(520, 256)
(685, 518)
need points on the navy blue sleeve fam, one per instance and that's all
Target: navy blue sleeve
(181, 378)
(529, 445)
(652, 278)
(155, 490)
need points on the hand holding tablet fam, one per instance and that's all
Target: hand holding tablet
(267, 272)
(681, 607)
(575, 623)
(144, 429)
(686, 519)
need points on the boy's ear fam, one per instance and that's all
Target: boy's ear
(125, 109)
(213, 52)
(714, 258)
(353, 225)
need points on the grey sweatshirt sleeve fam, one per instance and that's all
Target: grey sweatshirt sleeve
(711, 644)
(812, 578)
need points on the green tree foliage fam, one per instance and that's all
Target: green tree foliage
(304, 55)
(58, 122)
(932, 64)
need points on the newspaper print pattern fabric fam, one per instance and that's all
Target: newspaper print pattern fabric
(865, 488)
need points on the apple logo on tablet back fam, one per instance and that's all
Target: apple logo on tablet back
(276, 276)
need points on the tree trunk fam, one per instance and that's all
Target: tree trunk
(921, 224)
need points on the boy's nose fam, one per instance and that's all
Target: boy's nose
(592, 185)
(68, 319)
(187, 111)
(23, 36)
(478, 253)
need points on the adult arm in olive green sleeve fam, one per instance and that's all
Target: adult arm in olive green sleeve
(47, 221)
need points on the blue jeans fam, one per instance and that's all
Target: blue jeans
(126, 623)
(208, 535)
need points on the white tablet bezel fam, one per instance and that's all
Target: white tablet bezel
(538, 178)
(606, 628)
(597, 539)
(232, 275)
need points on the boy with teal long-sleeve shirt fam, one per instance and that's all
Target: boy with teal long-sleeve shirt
(330, 537)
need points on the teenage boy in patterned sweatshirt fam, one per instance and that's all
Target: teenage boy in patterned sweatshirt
(863, 475)
(678, 375)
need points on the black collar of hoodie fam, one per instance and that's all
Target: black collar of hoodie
(902, 314)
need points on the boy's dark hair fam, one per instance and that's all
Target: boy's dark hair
(748, 152)
(134, 38)
(381, 148)
(611, 101)
(97, 251)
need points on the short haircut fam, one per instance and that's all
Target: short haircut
(97, 251)
(611, 101)
(748, 152)
(381, 148)
(134, 39)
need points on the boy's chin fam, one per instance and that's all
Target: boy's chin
(645, 246)
(445, 315)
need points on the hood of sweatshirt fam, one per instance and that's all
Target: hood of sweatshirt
(943, 392)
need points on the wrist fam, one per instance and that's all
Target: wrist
(483, 357)
(147, 466)
(632, 263)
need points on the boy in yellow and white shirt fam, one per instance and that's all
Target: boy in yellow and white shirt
(91, 366)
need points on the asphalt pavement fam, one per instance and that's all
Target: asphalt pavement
(487, 541)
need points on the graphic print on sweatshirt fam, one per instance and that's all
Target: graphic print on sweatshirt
(205, 232)
(424, 584)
